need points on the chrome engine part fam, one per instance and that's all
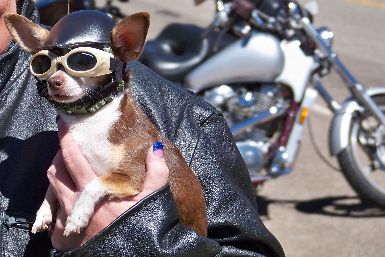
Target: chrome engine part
(240, 103)
(218, 96)
(254, 154)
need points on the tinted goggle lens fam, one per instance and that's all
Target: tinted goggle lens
(81, 61)
(40, 64)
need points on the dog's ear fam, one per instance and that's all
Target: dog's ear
(30, 36)
(128, 36)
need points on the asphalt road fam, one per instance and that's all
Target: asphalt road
(313, 211)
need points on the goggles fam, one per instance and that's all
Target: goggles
(79, 62)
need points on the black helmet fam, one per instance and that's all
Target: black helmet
(81, 28)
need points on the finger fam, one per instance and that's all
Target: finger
(61, 183)
(157, 170)
(77, 165)
(58, 175)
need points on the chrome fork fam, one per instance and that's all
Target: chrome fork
(357, 89)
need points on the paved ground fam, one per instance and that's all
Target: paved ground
(313, 211)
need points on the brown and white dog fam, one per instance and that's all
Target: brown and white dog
(114, 139)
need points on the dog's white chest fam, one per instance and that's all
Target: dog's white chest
(92, 133)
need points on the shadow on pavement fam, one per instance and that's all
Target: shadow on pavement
(337, 206)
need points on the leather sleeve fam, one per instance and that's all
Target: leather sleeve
(231, 206)
(151, 227)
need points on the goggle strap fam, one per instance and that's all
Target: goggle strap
(117, 67)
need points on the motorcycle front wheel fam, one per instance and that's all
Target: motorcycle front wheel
(363, 160)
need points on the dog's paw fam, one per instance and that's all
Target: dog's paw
(42, 222)
(71, 229)
(74, 224)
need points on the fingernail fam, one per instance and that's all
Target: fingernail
(157, 148)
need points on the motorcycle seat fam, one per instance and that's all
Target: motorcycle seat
(176, 51)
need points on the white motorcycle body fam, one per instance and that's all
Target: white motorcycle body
(258, 58)
(261, 58)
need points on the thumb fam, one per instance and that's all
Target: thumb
(155, 162)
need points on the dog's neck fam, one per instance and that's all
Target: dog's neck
(92, 131)
(93, 105)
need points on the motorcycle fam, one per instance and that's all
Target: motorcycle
(263, 72)
(51, 11)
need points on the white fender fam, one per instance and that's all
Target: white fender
(341, 123)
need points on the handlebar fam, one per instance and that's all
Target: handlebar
(243, 8)
(243, 11)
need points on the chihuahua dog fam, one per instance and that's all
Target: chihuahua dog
(116, 134)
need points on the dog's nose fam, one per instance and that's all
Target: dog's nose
(56, 82)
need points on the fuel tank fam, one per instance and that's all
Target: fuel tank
(257, 58)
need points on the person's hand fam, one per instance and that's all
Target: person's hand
(68, 175)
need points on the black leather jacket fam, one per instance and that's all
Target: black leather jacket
(151, 227)
(28, 142)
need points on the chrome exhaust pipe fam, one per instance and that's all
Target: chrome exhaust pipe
(259, 119)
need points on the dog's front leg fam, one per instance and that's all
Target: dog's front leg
(114, 185)
(44, 215)
(84, 207)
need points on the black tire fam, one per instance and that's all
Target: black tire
(365, 186)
